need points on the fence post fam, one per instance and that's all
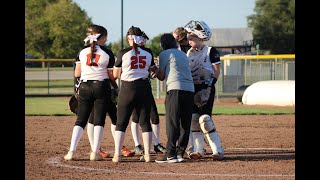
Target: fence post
(48, 78)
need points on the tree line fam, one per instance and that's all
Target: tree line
(56, 28)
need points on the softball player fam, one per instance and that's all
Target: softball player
(180, 34)
(96, 69)
(154, 116)
(112, 109)
(204, 63)
(132, 66)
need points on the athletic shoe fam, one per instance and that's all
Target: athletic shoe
(103, 154)
(138, 150)
(159, 148)
(165, 159)
(195, 155)
(146, 158)
(126, 152)
(69, 156)
(116, 158)
(217, 157)
(180, 158)
(95, 156)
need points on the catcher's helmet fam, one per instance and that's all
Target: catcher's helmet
(199, 28)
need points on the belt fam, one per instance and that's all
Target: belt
(94, 81)
(141, 79)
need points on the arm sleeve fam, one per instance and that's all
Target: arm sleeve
(214, 56)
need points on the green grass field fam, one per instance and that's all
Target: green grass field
(58, 106)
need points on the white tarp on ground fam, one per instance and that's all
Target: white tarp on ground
(275, 92)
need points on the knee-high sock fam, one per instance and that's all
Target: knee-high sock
(98, 134)
(147, 140)
(135, 133)
(156, 133)
(214, 142)
(76, 135)
(198, 142)
(118, 141)
(113, 129)
(90, 134)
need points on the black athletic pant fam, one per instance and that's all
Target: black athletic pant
(207, 108)
(112, 112)
(93, 96)
(178, 120)
(154, 115)
(134, 95)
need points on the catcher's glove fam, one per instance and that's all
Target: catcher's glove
(73, 104)
(201, 97)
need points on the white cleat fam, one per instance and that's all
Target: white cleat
(69, 156)
(95, 156)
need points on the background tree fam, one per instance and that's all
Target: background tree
(274, 25)
(116, 47)
(155, 46)
(54, 28)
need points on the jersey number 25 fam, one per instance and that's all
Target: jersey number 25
(138, 62)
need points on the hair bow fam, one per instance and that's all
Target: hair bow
(92, 38)
(136, 39)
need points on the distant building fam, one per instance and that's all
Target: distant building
(232, 40)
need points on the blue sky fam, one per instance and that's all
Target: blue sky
(161, 16)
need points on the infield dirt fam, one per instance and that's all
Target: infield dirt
(256, 147)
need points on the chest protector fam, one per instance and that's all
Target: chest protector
(200, 65)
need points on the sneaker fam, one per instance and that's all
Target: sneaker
(180, 158)
(138, 150)
(95, 156)
(103, 154)
(195, 155)
(126, 152)
(165, 159)
(116, 158)
(146, 158)
(217, 157)
(69, 156)
(159, 148)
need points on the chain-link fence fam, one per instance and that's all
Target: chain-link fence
(236, 72)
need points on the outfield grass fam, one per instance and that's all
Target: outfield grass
(51, 69)
(58, 106)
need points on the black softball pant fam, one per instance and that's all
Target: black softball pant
(93, 96)
(112, 112)
(134, 95)
(178, 120)
(154, 115)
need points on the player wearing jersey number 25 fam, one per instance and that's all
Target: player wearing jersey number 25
(132, 67)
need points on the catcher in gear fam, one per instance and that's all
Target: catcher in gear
(204, 63)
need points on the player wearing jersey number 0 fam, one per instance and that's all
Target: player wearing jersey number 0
(132, 67)
(96, 69)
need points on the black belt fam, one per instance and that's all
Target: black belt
(94, 81)
(141, 79)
